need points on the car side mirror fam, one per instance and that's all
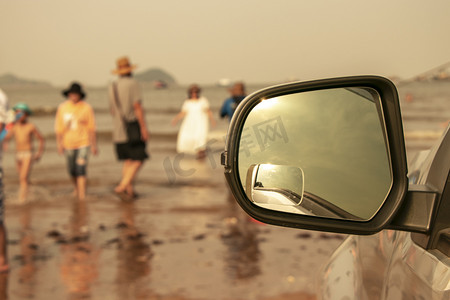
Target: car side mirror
(324, 155)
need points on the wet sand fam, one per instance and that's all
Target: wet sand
(184, 238)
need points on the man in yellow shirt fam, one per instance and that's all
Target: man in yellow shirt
(75, 135)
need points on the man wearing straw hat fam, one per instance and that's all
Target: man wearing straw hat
(126, 105)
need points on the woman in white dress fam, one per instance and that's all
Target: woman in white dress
(196, 116)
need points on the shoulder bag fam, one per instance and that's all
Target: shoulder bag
(133, 129)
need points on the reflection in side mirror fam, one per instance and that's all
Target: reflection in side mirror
(272, 185)
(334, 137)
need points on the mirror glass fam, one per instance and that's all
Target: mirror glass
(275, 185)
(320, 153)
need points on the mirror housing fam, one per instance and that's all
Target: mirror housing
(388, 112)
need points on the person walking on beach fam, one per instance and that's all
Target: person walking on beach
(229, 105)
(195, 114)
(4, 266)
(125, 101)
(24, 132)
(76, 135)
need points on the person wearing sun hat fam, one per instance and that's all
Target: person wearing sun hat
(76, 134)
(75, 88)
(24, 133)
(22, 107)
(125, 100)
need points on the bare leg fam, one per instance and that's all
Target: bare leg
(3, 253)
(81, 187)
(125, 166)
(136, 166)
(130, 169)
(24, 173)
(125, 169)
(75, 185)
(18, 165)
(19, 168)
(201, 154)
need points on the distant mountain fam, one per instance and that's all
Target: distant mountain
(155, 75)
(12, 80)
(439, 73)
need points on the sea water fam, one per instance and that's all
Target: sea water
(161, 106)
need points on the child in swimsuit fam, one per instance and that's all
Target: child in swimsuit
(24, 134)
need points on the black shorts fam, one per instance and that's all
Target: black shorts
(128, 151)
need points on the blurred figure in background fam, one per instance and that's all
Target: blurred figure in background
(75, 135)
(4, 267)
(196, 115)
(229, 105)
(24, 133)
(125, 102)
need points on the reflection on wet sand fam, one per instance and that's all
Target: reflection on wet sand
(241, 241)
(133, 256)
(79, 267)
(28, 269)
(182, 240)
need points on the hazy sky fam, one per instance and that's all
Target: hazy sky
(205, 40)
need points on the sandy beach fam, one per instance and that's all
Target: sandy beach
(184, 238)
